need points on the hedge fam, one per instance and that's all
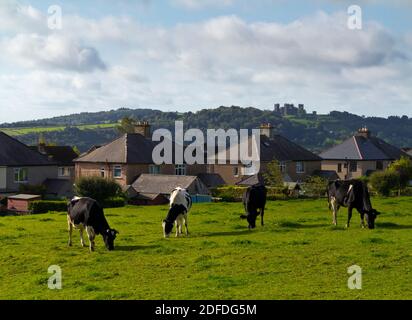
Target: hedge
(45, 206)
(235, 194)
(40, 206)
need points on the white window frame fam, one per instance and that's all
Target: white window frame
(154, 169)
(300, 167)
(180, 170)
(282, 166)
(103, 172)
(117, 167)
(18, 171)
(236, 172)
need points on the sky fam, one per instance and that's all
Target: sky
(186, 55)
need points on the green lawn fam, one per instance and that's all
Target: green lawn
(22, 131)
(297, 255)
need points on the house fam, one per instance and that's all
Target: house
(20, 165)
(295, 162)
(408, 151)
(360, 155)
(127, 157)
(63, 156)
(155, 189)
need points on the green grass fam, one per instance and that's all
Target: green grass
(297, 255)
(22, 131)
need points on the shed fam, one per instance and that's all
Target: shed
(20, 202)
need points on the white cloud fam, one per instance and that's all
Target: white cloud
(199, 4)
(221, 61)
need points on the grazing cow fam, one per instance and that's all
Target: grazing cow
(180, 204)
(86, 213)
(353, 194)
(254, 201)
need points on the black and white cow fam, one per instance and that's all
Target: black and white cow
(86, 213)
(353, 194)
(254, 201)
(180, 204)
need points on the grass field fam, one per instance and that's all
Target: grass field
(297, 255)
(22, 131)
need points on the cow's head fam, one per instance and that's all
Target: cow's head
(108, 237)
(167, 228)
(371, 217)
(251, 218)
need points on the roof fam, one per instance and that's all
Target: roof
(62, 155)
(25, 197)
(281, 149)
(165, 184)
(15, 153)
(59, 187)
(363, 148)
(252, 180)
(211, 180)
(131, 148)
(330, 175)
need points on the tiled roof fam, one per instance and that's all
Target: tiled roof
(63, 155)
(15, 153)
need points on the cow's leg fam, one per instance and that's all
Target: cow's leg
(335, 209)
(362, 216)
(262, 213)
(70, 229)
(350, 209)
(91, 235)
(81, 229)
(177, 227)
(187, 229)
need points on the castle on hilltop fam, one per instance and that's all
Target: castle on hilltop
(290, 109)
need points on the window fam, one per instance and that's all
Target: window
(236, 171)
(65, 172)
(153, 169)
(282, 166)
(180, 170)
(339, 167)
(353, 166)
(20, 175)
(117, 172)
(379, 165)
(102, 172)
(300, 167)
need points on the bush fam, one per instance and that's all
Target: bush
(41, 206)
(97, 188)
(235, 194)
(33, 189)
(384, 182)
(315, 186)
(117, 202)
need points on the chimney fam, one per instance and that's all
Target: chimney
(266, 130)
(42, 148)
(143, 128)
(364, 132)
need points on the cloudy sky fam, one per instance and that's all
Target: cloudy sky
(181, 55)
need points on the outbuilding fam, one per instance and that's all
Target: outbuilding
(21, 202)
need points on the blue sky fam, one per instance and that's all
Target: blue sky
(190, 54)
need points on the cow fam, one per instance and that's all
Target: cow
(86, 213)
(353, 194)
(180, 205)
(254, 201)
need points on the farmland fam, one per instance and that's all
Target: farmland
(296, 255)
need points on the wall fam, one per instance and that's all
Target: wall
(36, 176)
(363, 168)
(3, 178)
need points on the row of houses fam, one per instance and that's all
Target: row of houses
(128, 160)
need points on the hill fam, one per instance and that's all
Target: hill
(315, 132)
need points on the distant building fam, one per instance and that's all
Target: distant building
(290, 109)
(408, 151)
(360, 155)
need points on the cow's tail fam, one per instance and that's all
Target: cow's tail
(328, 195)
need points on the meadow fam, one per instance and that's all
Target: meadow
(298, 254)
(15, 132)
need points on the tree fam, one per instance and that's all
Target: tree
(384, 182)
(127, 125)
(97, 188)
(403, 167)
(273, 176)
